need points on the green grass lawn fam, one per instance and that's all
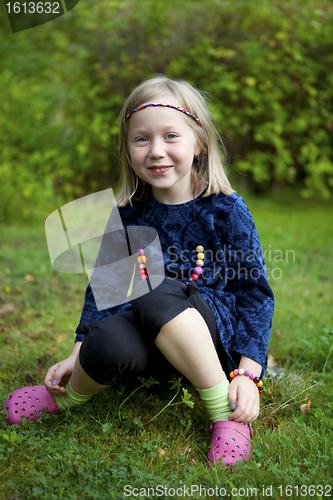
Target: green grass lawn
(95, 451)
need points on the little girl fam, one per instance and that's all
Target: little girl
(210, 316)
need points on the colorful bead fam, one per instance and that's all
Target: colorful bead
(143, 276)
(142, 266)
(259, 383)
(142, 259)
(141, 251)
(197, 271)
(153, 104)
(142, 271)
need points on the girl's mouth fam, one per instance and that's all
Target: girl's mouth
(160, 170)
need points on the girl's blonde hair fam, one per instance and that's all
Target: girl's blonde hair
(209, 171)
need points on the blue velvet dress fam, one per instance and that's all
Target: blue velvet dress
(234, 281)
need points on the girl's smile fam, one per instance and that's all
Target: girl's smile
(162, 146)
(160, 169)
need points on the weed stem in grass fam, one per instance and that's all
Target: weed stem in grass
(168, 404)
(145, 383)
(283, 405)
(140, 387)
(329, 352)
(79, 428)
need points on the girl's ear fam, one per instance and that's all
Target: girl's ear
(197, 149)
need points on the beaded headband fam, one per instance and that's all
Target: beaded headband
(152, 105)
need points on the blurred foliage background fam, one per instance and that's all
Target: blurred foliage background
(268, 65)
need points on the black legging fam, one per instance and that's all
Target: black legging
(123, 343)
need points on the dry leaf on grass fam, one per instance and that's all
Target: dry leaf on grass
(8, 308)
(62, 337)
(306, 407)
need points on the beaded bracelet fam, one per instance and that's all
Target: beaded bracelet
(259, 383)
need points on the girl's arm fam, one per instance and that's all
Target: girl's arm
(61, 372)
(249, 285)
(244, 393)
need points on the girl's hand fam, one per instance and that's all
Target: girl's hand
(58, 376)
(244, 394)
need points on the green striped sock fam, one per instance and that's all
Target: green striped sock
(216, 400)
(71, 398)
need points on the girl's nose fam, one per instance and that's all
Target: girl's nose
(156, 149)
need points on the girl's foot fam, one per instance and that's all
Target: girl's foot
(230, 442)
(30, 402)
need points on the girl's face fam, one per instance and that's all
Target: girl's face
(162, 146)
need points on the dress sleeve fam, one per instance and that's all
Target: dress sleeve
(247, 281)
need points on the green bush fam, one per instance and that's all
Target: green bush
(267, 64)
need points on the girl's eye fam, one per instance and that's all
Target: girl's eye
(171, 136)
(141, 139)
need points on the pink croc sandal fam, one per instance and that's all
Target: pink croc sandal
(230, 442)
(29, 402)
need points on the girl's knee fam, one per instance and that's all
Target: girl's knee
(104, 351)
(112, 348)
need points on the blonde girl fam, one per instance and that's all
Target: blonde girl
(210, 315)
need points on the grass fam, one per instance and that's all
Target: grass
(114, 441)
